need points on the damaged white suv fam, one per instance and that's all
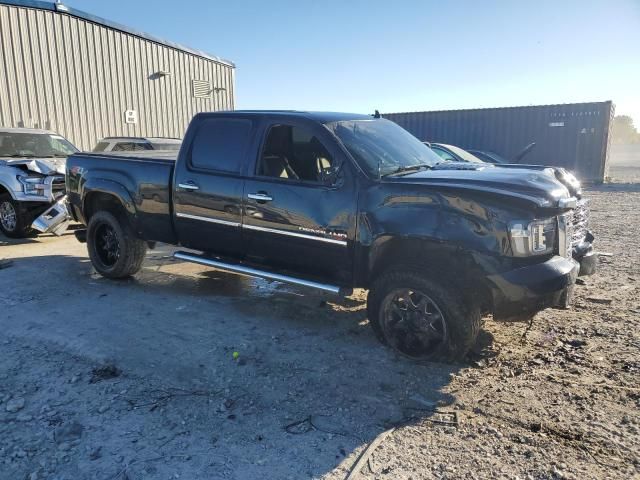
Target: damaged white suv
(32, 164)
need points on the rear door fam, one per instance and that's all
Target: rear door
(299, 214)
(208, 185)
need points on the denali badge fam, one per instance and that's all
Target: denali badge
(322, 232)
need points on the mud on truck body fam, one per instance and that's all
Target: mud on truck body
(338, 201)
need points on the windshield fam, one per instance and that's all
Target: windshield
(14, 144)
(463, 154)
(382, 147)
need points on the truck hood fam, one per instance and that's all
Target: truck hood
(44, 166)
(539, 186)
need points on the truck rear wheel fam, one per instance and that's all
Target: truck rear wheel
(420, 318)
(14, 222)
(114, 249)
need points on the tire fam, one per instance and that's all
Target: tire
(420, 318)
(14, 221)
(113, 247)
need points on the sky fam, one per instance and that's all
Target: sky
(406, 55)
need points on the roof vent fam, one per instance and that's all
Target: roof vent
(201, 88)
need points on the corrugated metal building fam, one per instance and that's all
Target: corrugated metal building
(86, 78)
(575, 136)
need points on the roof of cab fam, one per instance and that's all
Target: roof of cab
(322, 117)
(38, 131)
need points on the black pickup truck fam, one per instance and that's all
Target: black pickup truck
(339, 201)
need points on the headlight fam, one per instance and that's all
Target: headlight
(32, 185)
(533, 238)
(573, 182)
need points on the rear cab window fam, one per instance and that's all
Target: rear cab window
(220, 144)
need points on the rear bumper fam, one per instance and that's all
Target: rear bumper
(520, 293)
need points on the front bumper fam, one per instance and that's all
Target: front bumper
(585, 255)
(520, 293)
(54, 220)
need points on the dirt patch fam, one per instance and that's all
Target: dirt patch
(223, 376)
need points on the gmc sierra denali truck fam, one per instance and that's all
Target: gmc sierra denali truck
(31, 176)
(337, 201)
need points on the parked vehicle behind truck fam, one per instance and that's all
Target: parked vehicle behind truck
(340, 201)
(31, 176)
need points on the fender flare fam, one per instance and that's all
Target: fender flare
(114, 189)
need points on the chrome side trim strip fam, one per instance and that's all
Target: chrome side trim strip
(234, 268)
(208, 219)
(295, 234)
(262, 229)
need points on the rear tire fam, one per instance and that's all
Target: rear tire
(14, 221)
(113, 247)
(420, 318)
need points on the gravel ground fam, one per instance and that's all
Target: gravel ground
(138, 379)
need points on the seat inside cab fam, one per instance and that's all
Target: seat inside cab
(292, 152)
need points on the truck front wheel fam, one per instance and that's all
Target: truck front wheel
(14, 221)
(420, 318)
(114, 249)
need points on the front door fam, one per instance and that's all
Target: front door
(208, 186)
(299, 214)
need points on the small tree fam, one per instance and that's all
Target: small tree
(623, 130)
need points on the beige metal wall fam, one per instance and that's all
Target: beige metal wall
(78, 78)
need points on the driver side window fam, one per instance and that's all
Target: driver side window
(294, 153)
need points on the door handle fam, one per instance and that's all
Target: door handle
(260, 197)
(190, 185)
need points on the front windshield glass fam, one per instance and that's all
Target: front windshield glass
(381, 147)
(42, 145)
(463, 154)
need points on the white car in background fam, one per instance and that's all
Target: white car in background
(32, 167)
(137, 144)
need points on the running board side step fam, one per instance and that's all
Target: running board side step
(253, 272)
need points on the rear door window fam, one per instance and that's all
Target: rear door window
(220, 144)
(101, 147)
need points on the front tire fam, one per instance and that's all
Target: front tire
(14, 222)
(114, 249)
(420, 318)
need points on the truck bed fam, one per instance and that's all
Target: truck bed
(145, 182)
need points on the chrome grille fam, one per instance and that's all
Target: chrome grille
(565, 234)
(580, 221)
(58, 186)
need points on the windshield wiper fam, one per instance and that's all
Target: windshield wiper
(408, 168)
